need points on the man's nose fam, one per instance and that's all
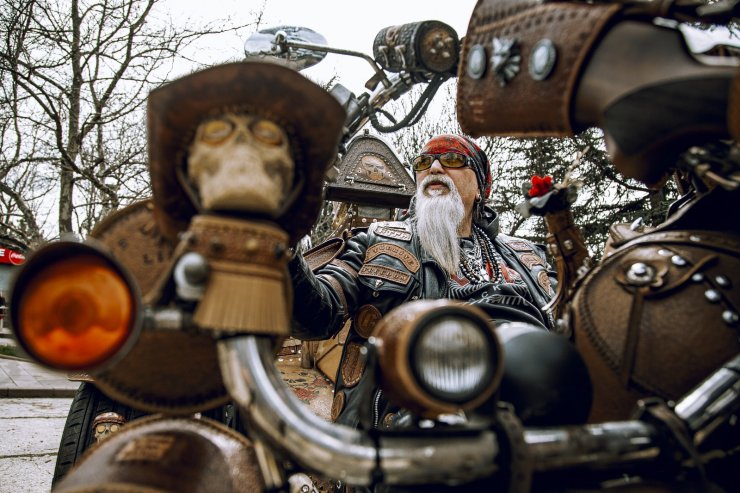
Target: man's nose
(436, 167)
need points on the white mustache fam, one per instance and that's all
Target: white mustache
(434, 179)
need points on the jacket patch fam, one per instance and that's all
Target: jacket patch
(337, 405)
(366, 319)
(531, 259)
(544, 281)
(398, 252)
(393, 233)
(387, 273)
(519, 246)
(353, 364)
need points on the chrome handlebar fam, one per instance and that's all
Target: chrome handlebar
(449, 457)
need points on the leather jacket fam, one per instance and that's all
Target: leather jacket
(378, 269)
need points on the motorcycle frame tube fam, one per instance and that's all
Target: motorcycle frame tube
(712, 402)
(606, 444)
(340, 452)
(616, 444)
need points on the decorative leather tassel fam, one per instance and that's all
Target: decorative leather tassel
(244, 298)
(248, 288)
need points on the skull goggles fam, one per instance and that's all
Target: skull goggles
(447, 159)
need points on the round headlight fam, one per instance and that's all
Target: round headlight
(438, 356)
(452, 358)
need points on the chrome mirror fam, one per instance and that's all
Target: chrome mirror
(297, 47)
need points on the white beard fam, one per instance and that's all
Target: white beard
(438, 219)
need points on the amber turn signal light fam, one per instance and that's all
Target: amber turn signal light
(74, 308)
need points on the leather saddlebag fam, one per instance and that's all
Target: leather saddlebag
(657, 316)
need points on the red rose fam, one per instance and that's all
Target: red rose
(540, 186)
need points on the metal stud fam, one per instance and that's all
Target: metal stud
(730, 317)
(712, 296)
(542, 60)
(723, 281)
(695, 238)
(698, 277)
(640, 274)
(476, 62)
(678, 261)
(665, 252)
(506, 60)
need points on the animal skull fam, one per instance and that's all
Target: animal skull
(241, 163)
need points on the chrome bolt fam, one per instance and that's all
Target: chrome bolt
(698, 277)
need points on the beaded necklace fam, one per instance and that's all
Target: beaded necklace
(482, 265)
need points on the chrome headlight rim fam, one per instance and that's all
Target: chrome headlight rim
(492, 374)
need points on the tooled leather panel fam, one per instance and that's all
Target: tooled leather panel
(682, 336)
(525, 106)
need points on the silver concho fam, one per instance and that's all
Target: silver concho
(542, 60)
(506, 60)
(477, 62)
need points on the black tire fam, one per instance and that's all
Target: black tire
(78, 434)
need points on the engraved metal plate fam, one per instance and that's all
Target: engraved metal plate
(370, 173)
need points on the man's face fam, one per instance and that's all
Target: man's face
(241, 163)
(463, 179)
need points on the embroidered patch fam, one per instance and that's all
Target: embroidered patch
(531, 259)
(544, 281)
(353, 364)
(366, 319)
(393, 233)
(387, 273)
(398, 252)
(337, 405)
(519, 246)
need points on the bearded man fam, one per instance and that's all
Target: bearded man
(448, 247)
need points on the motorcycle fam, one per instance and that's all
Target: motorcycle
(186, 345)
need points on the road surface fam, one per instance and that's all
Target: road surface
(30, 430)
